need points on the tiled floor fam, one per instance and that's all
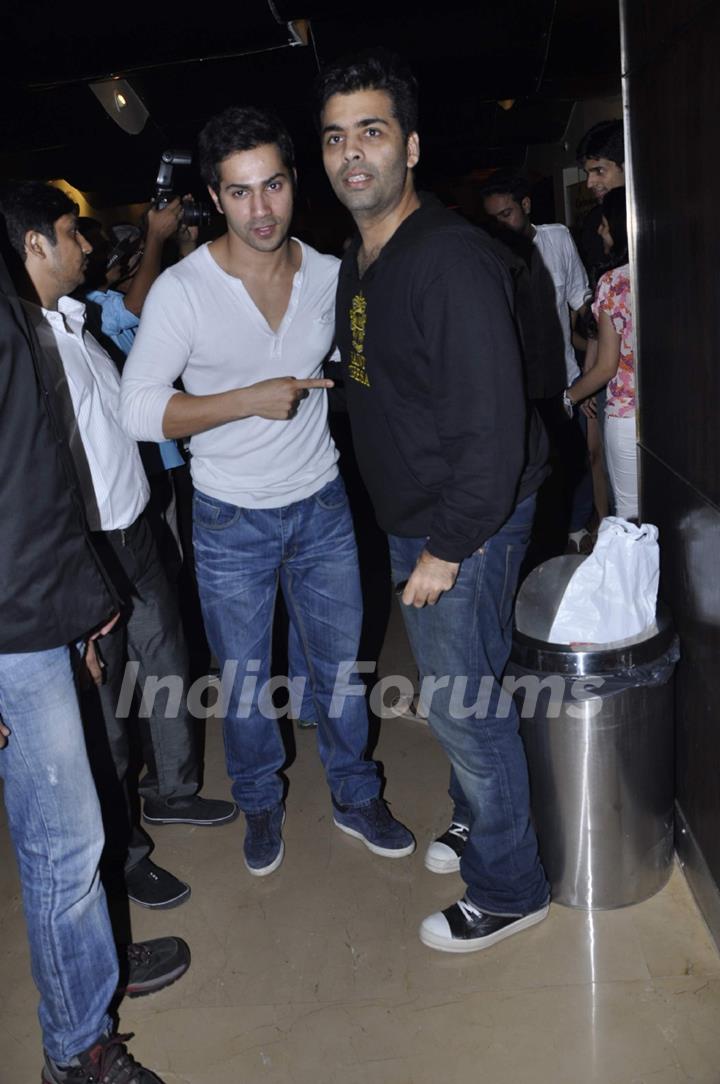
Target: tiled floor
(315, 975)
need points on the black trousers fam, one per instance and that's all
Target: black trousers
(149, 634)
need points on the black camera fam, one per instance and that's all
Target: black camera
(194, 213)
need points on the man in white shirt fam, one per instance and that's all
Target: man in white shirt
(247, 321)
(553, 263)
(42, 226)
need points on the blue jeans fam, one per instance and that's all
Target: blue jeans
(467, 634)
(56, 829)
(308, 549)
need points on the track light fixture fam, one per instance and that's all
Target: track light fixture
(120, 102)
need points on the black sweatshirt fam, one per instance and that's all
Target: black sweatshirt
(434, 384)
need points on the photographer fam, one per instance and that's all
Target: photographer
(123, 267)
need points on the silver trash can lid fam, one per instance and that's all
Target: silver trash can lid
(537, 604)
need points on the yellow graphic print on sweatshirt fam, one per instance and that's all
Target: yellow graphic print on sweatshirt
(358, 316)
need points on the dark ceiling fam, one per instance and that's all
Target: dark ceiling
(545, 54)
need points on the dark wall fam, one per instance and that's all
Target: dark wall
(672, 90)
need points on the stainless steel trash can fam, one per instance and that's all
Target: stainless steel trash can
(597, 724)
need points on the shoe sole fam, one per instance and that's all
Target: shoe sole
(266, 870)
(444, 944)
(439, 865)
(384, 852)
(165, 905)
(188, 820)
(158, 984)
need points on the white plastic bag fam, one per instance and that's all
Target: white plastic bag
(613, 594)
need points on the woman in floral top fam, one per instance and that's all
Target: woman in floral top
(615, 365)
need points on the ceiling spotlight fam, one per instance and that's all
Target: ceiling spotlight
(120, 102)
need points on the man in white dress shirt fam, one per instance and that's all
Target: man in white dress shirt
(42, 227)
(550, 253)
(247, 321)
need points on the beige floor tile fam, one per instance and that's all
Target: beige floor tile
(691, 1023)
(672, 941)
(610, 1033)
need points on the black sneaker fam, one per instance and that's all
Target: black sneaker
(263, 848)
(107, 1062)
(444, 854)
(203, 812)
(147, 966)
(465, 928)
(150, 886)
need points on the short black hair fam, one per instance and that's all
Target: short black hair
(603, 140)
(504, 183)
(33, 205)
(92, 230)
(241, 128)
(614, 210)
(372, 69)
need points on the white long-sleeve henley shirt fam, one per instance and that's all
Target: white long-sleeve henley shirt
(200, 324)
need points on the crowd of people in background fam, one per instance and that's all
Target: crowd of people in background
(465, 359)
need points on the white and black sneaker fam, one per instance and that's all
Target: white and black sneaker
(463, 927)
(443, 855)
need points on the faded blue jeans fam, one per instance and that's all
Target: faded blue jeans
(466, 637)
(308, 549)
(57, 832)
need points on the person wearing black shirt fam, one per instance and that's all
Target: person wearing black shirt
(452, 462)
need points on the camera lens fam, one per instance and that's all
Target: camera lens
(195, 214)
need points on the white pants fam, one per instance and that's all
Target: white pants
(621, 457)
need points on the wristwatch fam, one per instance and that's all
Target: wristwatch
(568, 404)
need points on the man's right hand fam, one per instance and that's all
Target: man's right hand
(105, 629)
(279, 398)
(91, 667)
(161, 225)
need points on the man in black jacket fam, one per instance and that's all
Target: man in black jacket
(452, 463)
(42, 228)
(54, 593)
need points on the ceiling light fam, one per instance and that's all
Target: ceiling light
(120, 102)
